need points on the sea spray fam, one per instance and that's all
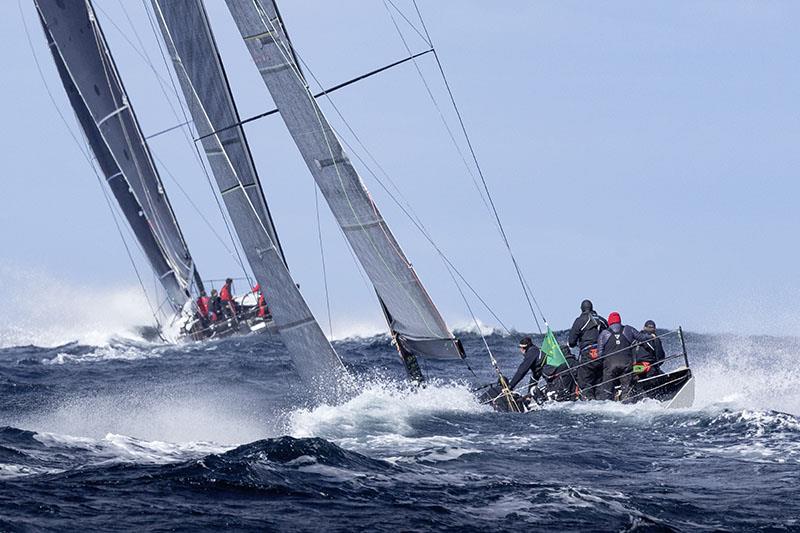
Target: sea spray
(42, 310)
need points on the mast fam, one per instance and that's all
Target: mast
(415, 324)
(101, 105)
(187, 33)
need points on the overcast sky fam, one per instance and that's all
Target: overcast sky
(643, 155)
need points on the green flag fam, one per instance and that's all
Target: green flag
(550, 347)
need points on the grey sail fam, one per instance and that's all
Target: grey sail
(104, 112)
(413, 319)
(190, 42)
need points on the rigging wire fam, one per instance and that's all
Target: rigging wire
(141, 50)
(83, 150)
(288, 53)
(438, 108)
(194, 205)
(529, 296)
(195, 148)
(142, 53)
(123, 107)
(408, 212)
(406, 209)
(322, 258)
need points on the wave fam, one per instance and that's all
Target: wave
(43, 310)
(178, 413)
(758, 373)
(384, 407)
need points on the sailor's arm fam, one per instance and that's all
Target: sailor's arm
(641, 336)
(524, 367)
(601, 341)
(574, 332)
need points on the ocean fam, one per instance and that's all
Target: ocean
(124, 434)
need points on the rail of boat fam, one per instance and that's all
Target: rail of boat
(675, 388)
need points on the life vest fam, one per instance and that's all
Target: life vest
(262, 305)
(225, 293)
(202, 306)
(618, 345)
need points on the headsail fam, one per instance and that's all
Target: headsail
(190, 42)
(101, 105)
(413, 319)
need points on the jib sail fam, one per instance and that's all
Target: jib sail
(190, 42)
(414, 321)
(106, 116)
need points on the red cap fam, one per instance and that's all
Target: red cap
(614, 318)
(257, 287)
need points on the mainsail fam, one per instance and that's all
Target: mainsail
(414, 321)
(190, 42)
(104, 112)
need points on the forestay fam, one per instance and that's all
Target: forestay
(413, 319)
(104, 112)
(190, 42)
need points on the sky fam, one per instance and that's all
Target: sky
(644, 156)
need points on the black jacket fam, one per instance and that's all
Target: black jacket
(586, 329)
(628, 332)
(215, 306)
(531, 363)
(651, 352)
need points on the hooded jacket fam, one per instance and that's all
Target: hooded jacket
(586, 329)
(632, 335)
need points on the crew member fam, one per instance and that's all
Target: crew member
(226, 295)
(583, 334)
(532, 362)
(202, 309)
(649, 355)
(215, 306)
(262, 302)
(561, 381)
(615, 349)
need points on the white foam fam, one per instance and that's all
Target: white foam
(42, 310)
(750, 373)
(105, 353)
(353, 330)
(182, 414)
(477, 327)
(383, 408)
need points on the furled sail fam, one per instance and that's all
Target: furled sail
(190, 42)
(104, 112)
(415, 322)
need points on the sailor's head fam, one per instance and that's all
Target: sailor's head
(586, 306)
(525, 343)
(228, 281)
(213, 292)
(202, 293)
(614, 318)
(650, 327)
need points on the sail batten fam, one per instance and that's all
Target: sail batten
(413, 318)
(187, 33)
(98, 98)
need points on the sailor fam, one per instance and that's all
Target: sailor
(226, 295)
(583, 334)
(202, 308)
(561, 384)
(262, 302)
(648, 356)
(215, 306)
(532, 362)
(615, 349)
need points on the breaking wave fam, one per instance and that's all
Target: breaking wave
(42, 310)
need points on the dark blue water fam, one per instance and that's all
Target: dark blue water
(130, 435)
